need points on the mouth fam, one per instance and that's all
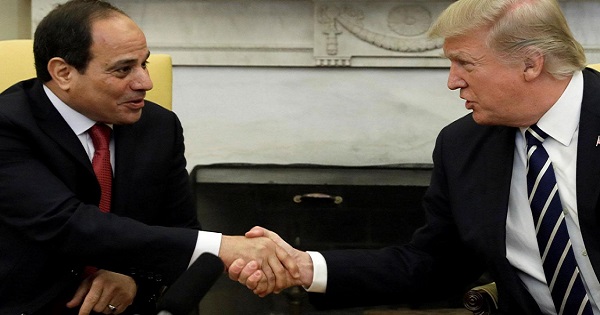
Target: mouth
(469, 105)
(134, 104)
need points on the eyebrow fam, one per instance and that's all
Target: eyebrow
(458, 55)
(125, 62)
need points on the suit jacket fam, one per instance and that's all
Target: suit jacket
(50, 226)
(465, 235)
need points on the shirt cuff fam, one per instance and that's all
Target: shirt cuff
(207, 242)
(319, 283)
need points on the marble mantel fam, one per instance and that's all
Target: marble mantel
(306, 33)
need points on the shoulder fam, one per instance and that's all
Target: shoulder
(153, 113)
(591, 84)
(466, 135)
(16, 102)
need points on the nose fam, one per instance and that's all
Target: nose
(455, 81)
(142, 80)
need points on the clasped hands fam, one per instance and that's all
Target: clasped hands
(289, 267)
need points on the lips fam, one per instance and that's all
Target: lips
(134, 103)
(469, 104)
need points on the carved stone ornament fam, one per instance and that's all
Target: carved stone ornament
(405, 32)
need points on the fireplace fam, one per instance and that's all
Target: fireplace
(313, 207)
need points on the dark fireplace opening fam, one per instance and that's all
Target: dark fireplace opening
(313, 207)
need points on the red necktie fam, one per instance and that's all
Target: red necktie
(100, 134)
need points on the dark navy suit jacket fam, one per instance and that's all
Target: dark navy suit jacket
(50, 226)
(466, 206)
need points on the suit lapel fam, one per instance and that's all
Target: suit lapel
(53, 124)
(126, 166)
(588, 166)
(497, 178)
(496, 183)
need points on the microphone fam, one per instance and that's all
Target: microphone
(187, 291)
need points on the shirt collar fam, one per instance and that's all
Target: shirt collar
(562, 119)
(77, 121)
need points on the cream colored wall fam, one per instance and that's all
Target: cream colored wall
(15, 17)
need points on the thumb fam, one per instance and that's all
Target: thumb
(256, 231)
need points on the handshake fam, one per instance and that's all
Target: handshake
(264, 262)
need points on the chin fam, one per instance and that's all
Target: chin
(484, 120)
(130, 118)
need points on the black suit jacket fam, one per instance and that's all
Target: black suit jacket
(466, 206)
(50, 226)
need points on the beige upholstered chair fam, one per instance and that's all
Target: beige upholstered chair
(16, 64)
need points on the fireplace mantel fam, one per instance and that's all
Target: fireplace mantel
(306, 33)
(330, 82)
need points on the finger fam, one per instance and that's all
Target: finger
(261, 287)
(253, 277)
(236, 268)
(248, 270)
(288, 262)
(90, 301)
(103, 302)
(80, 293)
(273, 236)
(274, 270)
(283, 278)
(113, 309)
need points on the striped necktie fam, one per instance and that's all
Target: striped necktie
(560, 267)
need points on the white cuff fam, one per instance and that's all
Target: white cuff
(208, 242)
(319, 284)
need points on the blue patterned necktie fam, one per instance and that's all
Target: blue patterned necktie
(560, 266)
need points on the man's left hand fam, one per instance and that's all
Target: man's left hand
(104, 292)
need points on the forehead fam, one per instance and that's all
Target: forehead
(115, 36)
(468, 46)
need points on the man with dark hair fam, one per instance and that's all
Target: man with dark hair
(96, 208)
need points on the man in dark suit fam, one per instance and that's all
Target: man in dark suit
(91, 66)
(516, 64)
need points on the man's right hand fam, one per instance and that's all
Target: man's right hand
(248, 273)
(276, 266)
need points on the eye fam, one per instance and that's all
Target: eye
(467, 65)
(123, 70)
(145, 64)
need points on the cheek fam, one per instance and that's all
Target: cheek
(111, 92)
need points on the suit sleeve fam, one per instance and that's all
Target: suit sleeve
(433, 265)
(38, 209)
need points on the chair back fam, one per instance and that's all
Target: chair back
(17, 64)
(595, 66)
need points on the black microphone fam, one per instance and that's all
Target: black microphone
(187, 291)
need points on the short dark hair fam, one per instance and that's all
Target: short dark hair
(66, 32)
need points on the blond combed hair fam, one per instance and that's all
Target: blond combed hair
(517, 28)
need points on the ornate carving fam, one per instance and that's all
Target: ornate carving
(406, 20)
(409, 20)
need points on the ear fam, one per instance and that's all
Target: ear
(61, 72)
(533, 66)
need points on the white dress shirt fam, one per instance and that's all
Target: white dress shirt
(561, 122)
(207, 242)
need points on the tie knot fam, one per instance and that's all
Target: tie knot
(535, 135)
(100, 134)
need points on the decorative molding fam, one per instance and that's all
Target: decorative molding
(409, 21)
(306, 33)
